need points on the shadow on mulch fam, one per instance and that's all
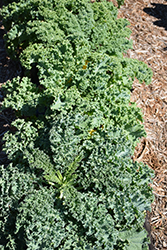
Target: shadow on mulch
(159, 11)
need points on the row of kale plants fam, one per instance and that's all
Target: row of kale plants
(71, 182)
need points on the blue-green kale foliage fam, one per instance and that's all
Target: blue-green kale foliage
(72, 183)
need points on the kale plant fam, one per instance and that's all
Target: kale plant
(71, 182)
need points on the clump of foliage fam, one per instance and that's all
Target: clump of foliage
(71, 183)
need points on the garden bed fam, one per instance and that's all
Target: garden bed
(150, 42)
(149, 34)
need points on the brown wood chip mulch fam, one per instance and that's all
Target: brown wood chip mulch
(149, 34)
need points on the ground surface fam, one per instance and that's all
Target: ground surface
(149, 33)
(148, 20)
